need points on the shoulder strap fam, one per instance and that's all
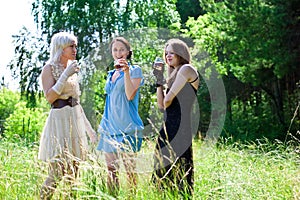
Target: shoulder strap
(194, 80)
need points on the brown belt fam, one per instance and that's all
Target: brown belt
(60, 103)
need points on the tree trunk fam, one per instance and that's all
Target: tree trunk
(278, 100)
(275, 92)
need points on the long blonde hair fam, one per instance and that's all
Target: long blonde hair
(181, 50)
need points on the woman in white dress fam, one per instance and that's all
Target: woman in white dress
(63, 142)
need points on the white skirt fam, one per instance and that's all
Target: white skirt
(64, 135)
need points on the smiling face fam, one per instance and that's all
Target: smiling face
(119, 50)
(171, 58)
(176, 53)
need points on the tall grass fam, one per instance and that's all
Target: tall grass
(253, 171)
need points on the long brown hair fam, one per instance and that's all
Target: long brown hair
(181, 50)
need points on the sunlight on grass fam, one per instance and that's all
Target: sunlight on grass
(246, 173)
(254, 171)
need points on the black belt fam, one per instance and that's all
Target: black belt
(60, 103)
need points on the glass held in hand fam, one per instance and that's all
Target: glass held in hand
(158, 64)
(117, 65)
(75, 64)
(71, 62)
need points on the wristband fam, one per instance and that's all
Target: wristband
(158, 85)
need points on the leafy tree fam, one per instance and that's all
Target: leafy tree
(96, 21)
(248, 40)
(92, 21)
(189, 8)
(28, 62)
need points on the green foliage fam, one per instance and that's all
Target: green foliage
(244, 38)
(253, 120)
(248, 40)
(204, 106)
(293, 109)
(96, 21)
(93, 97)
(92, 21)
(27, 63)
(189, 8)
(8, 100)
(151, 14)
(24, 123)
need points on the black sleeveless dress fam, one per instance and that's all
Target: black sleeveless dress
(173, 160)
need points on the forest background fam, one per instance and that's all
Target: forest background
(250, 47)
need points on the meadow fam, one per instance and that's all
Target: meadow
(260, 170)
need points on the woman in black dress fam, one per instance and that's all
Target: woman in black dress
(173, 160)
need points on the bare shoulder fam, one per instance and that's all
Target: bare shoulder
(188, 69)
(47, 72)
(46, 68)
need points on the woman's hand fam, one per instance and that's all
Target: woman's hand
(93, 137)
(158, 72)
(123, 62)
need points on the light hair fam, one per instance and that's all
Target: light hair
(59, 41)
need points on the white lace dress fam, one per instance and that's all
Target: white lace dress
(64, 134)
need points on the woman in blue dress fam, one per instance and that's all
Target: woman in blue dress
(121, 126)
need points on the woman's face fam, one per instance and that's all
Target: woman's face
(70, 51)
(119, 50)
(171, 58)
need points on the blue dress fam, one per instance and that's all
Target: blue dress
(121, 126)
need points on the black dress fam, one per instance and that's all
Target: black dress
(173, 160)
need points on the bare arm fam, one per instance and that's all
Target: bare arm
(131, 85)
(47, 84)
(185, 74)
(160, 97)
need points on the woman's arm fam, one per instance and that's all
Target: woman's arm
(131, 85)
(178, 84)
(185, 74)
(47, 84)
(160, 97)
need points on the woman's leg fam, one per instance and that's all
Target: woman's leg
(71, 172)
(112, 162)
(129, 161)
(55, 175)
(70, 175)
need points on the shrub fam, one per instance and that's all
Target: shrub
(8, 100)
(24, 123)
